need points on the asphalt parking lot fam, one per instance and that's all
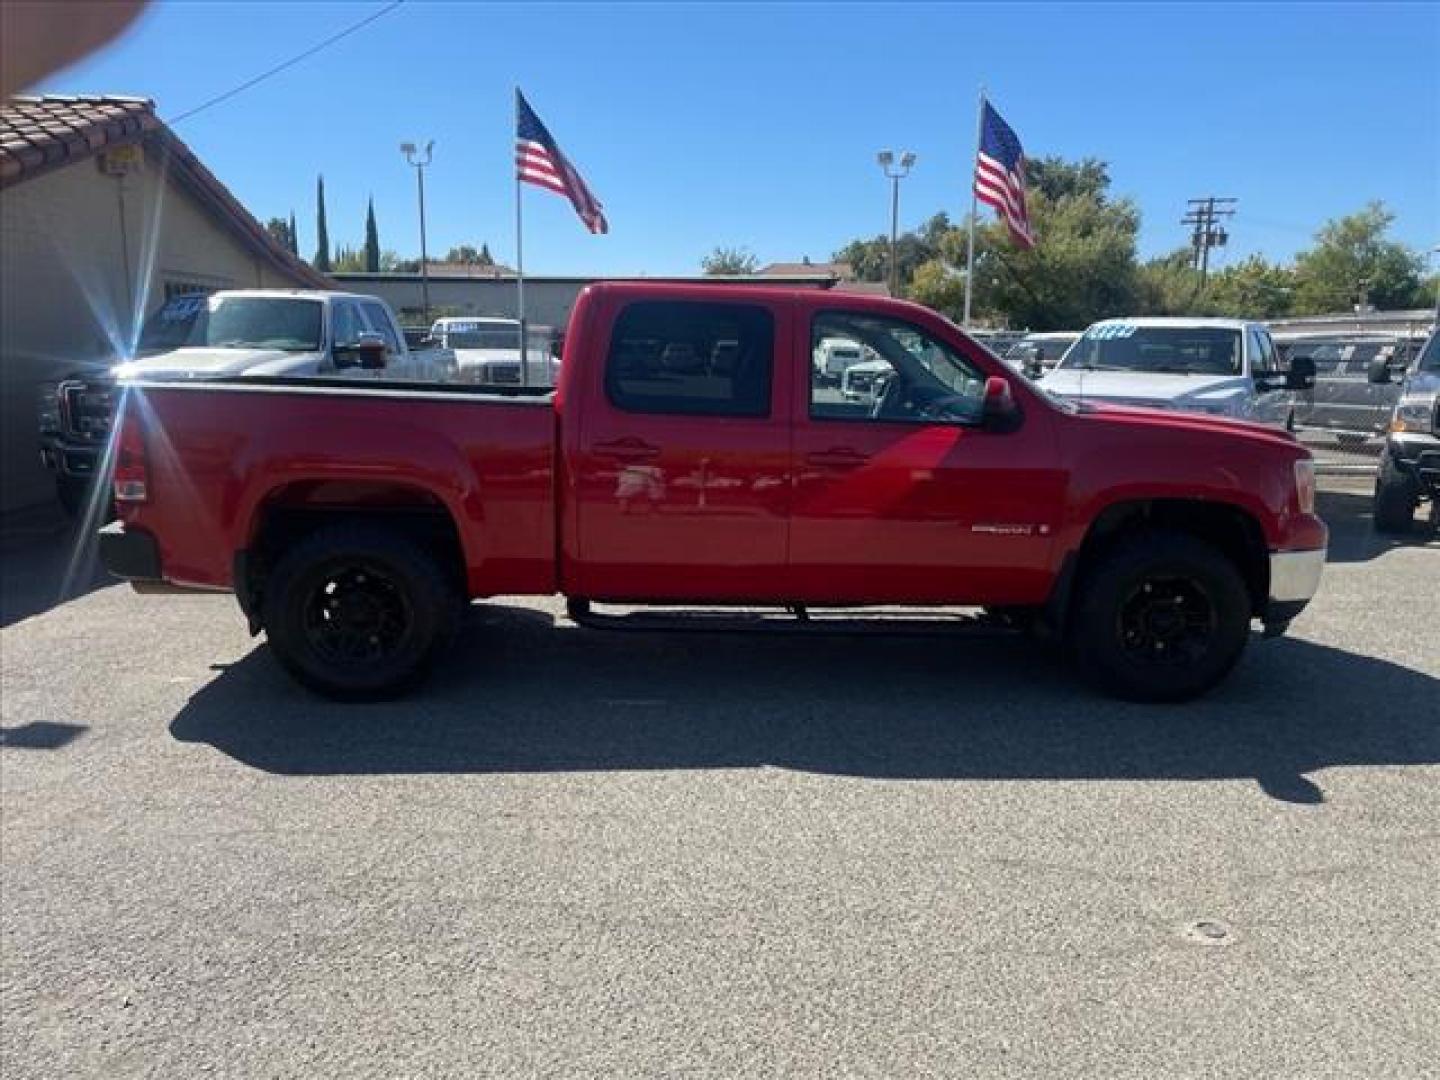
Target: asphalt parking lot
(580, 853)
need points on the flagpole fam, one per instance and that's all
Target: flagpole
(974, 206)
(520, 265)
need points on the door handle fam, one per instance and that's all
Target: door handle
(839, 457)
(627, 449)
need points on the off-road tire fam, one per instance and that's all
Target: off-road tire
(418, 606)
(1103, 636)
(1396, 496)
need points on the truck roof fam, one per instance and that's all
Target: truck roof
(296, 294)
(1181, 322)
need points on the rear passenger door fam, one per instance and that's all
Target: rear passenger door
(679, 478)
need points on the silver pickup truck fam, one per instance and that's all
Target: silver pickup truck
(253, 332)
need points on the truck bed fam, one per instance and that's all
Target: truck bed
(225, 454)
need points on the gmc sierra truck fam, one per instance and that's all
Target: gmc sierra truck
(693, 454)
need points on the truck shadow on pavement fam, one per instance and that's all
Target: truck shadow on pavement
(523, 693)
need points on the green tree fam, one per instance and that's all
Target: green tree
(469, 255)
(279, 231)
(870, 259)
(940, 286)
(348, 261)
(1082, 267)
(1252, 289)
(294, 236)
(372, 239)
(321, 261)
(1352, 262)
(728, 261)
(1168, 285)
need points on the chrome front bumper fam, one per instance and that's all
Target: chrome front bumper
(1294, 580)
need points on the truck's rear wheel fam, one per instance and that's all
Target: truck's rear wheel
(356, 612)
(1396, 496)
(1162, 616)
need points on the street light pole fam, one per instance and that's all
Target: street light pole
(412, 156)
(896, 173)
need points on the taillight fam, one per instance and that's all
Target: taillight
(132, 473)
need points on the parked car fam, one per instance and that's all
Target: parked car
(1223, 367)
(834, 357)
(354, 524)
(1035, 354)
(255, 333)
(1344, 400)
(1410, 463)
(487, 351)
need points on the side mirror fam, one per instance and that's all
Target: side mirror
(1379, 371)
(1301, 374)
(999, 411)
(368, 352)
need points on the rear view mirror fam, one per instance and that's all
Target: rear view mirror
(367, 352)
(1379, 370)
(1301, 375)
(999, 411)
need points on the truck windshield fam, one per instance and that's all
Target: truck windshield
(1181, 350)
(235, 322)
(487, 338)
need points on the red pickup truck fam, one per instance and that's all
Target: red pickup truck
(694, 453)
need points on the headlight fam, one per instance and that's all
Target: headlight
(1305, 484)
(48, 406)
(1414, 414)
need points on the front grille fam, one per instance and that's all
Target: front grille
(87, 410)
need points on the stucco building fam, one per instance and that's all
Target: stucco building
(104, 213)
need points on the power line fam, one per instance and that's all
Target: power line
(288, 63)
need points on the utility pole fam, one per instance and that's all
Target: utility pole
(1204, 218)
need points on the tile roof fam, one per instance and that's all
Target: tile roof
(38, 134)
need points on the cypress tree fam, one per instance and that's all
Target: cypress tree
(321, 261)
(294, 236)
(372, 239)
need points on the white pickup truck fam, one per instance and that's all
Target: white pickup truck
(487, 351)
(1223, 367)
(251, 333)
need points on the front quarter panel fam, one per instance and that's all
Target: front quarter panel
(1119, 456)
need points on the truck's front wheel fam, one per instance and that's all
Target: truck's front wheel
(1162, 616)
(1396, 496)
(356, 612)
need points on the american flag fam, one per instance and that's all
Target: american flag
(539, 161)
(1000, 174)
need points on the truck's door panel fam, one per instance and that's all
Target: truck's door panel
(679, 474)
(900, 494)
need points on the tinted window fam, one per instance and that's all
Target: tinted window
(380, 323)
(1430, 358)
(348, 325)
(695, 359)
(1264, 362)
(905, 374)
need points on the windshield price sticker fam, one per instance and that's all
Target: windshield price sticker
(1111, 331)
(182, 308)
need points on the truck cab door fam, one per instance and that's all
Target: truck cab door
(902, 492)
(678, 479)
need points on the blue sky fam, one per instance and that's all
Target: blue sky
(756, 125)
